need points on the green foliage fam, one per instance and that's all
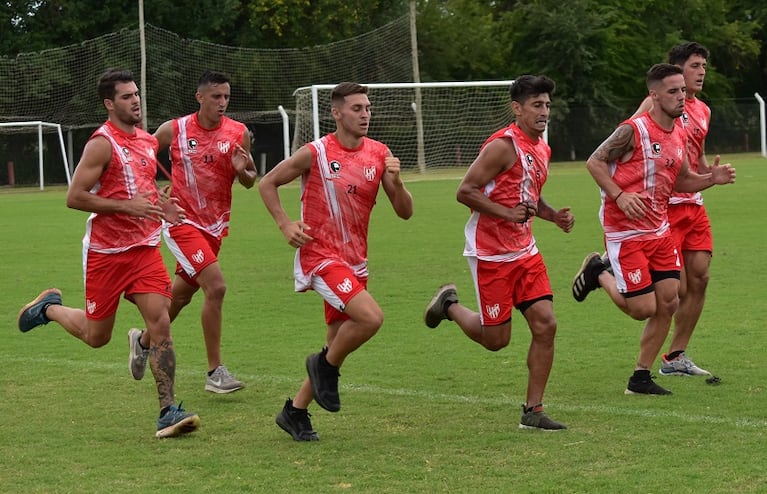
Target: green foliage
(457, 41)
(299, 23)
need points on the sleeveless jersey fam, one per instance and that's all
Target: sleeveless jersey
(130, 172)
(202, 171)
(695, 120)
(652, 168)
(337, 197)
(494, 239)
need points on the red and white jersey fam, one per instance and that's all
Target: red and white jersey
(202, 171)
(337, 196)
(651, 169)
(130, 172)
(494, 239)
(695, 120)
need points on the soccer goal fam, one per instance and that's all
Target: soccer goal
(40, 128)
(428, 125)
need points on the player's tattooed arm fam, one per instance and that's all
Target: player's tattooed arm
(620, 143)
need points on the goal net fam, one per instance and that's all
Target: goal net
(59, 85)
(426, 125)
(24, 143)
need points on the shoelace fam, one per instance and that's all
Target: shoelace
(302, 417)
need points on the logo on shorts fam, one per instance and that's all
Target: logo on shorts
(492, 311)
(635, 276)
(198, 256)
(370, 173)
(345, 286)
(223, 146)
(90, 305)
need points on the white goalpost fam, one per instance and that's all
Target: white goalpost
(446, 129)
(762, 125)
(40, 127)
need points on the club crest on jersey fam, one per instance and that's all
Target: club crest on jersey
(529, 159)
(334, 167)
(685, 119)
(656, 149)
(126, 153)
(192, 145)
(223, 146)
(370, 173)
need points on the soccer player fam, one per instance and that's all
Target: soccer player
(208, 152)
(115, 182)
(687, 216)
(340, 177)
(503, 189)
(637, 168)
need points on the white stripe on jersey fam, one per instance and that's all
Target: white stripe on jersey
(330, 192)
(183, 147)
(647, 151)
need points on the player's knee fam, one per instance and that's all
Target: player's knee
(496, 343)
(698, 282)
(642, 312)
(98, 340)
(216, 291)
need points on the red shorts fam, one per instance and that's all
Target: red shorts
(337, 284)
(193, 249)
(503, 285)
(690, 227)
(638, 264)
(107, 276)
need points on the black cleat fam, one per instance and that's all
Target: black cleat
(32, 315)
(538, 420)
(436, 310)
(587, 278)
(295, 421)
(324, 380)
(645, 387)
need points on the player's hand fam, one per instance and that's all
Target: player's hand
(164, 193)
(392, 167)
(564, 219)
(142, 205)
(295, 233)
(523, 212)
(172, 212)
(722, 174)
(633, 204)
(240, 159)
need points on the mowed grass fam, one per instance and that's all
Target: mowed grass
(423, 410)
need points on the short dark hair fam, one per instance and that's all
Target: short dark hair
(679, 54)
(344, 89)
(213, 77)
(109, 79)
(526, 86)
(660, 71)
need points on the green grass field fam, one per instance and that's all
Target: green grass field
(423, 410)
